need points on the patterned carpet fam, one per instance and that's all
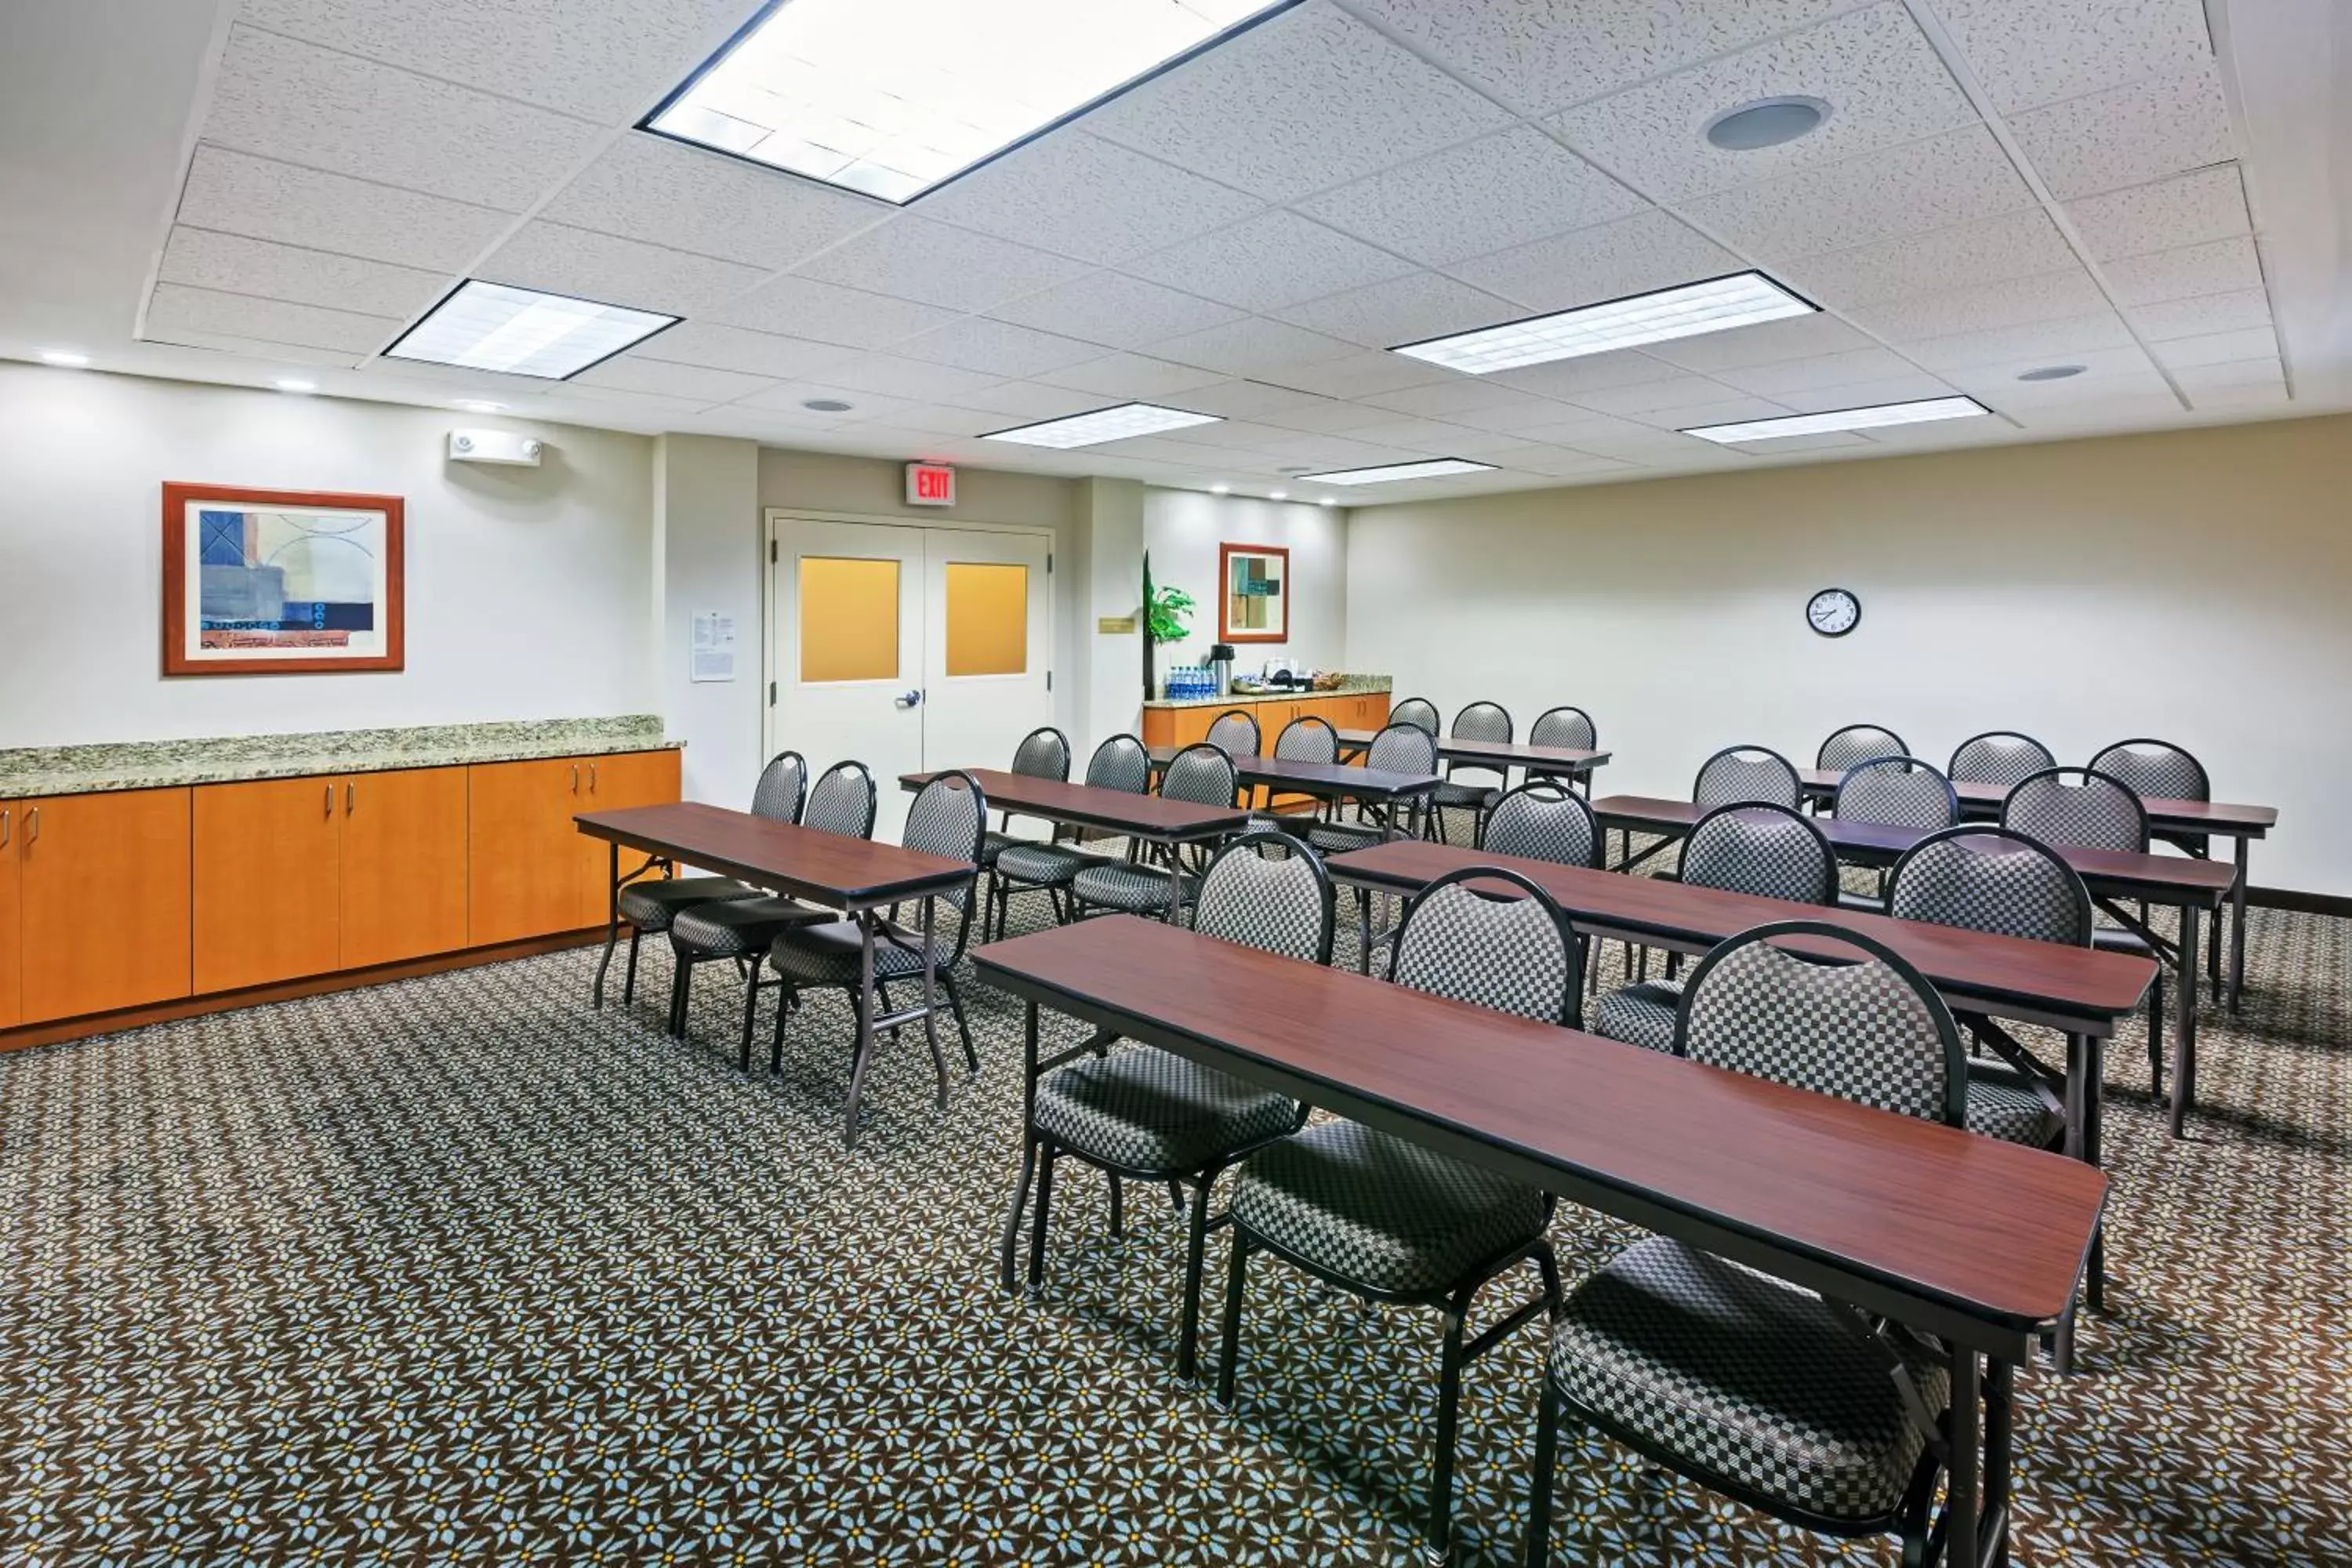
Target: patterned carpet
(458, 1270)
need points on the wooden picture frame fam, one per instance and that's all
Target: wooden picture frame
(1253, 594)
(343, 554)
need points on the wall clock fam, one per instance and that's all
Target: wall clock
(1833, 612)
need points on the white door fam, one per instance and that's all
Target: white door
(986, 648)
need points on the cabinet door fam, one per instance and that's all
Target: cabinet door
(105, 889)
(12, 814)
(267, 882)
(611, 783)
(403, 864)
(522, 856)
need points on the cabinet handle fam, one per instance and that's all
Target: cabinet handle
(592, 778)
(575, 778)
(4, 828)
(32, 825)
(351, 795)
(331, 797)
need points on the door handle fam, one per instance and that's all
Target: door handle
(911, 699)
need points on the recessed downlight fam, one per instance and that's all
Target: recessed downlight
(1221, 489)
(1767, 122)
(296, 383)
(65, 359)
(1277, 495)
(827, 406)
(2052, 373)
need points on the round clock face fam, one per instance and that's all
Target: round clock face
(1833, 612)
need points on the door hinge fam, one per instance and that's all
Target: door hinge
(1049, 563)
(772, 550)
(1049, 680)
(771, 694)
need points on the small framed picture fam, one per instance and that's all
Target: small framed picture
(1252, 592)
(280, 581)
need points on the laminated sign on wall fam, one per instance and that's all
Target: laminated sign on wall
(713, 657)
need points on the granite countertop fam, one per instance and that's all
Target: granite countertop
(163, 765)
(1349, 686)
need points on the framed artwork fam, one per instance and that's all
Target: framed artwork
(280, 581)
(1252, 592)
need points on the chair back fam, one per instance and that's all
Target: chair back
(1858, 743)
(1308, 740)
(1766, 851)
(782, 786)
(1741, 775)
(1568, 727)
(1417, 711)
(1265, 889)
(2078, 807)
(1202, 774)
(2000, 757)
(1540, 821)
(1486, 722)
(2155, 770)
(1992, 879)
(1120, 763)
(1491, 938)
(1898, 791)
(1403, 748)
(1864, 1027)
(1234, 732)
(1043, 753)
(950, 817)
(842, 802)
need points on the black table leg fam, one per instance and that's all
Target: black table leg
(612, 914)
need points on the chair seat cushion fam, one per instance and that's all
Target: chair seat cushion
(2116, 939)
(1870, 903)
(2002, 1104)
(828, 953)
(1137, 890)
(1339, 837)
(1751, 1381)
(651, 905)
(1151, 1112)
(1043, 865)
(1641, 1015)
(1380, 1213)
(735, 927)
(1449, 792)
(992, 844)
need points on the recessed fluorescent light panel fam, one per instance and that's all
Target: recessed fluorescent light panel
(1717, 305)
(1842, 419)
(1102, 425)
(891, 98)
(520, 331)
(1434, 467)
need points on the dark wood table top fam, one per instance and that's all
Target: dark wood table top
(823, 867)
(1089, 805)
(2076, 988)
(1318, 778)
(2221, 818)
(1958, 1234)
(2174, 880)
(1504, 753)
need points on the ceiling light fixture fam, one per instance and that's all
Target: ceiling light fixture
(2052, 373)
(480, 405)
(893, 98)
(1871, 419)
(522, 332)
(1114, 424)
(1221, 489)
(1767, 122)
(1386, 473)
(295, 384)
(64, 359)
(1277, 495)
(827, 406)
(1686, 311)
(1328, 501)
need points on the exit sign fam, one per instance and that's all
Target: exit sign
(930, 484)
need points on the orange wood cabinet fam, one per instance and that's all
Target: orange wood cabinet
(1184, 726)
(11, 894)
(404, 865)
(631, 778)
(528, 872)
(267, 881)
(104, 891)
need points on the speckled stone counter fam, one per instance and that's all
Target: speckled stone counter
(1349, 686)
(161, 764)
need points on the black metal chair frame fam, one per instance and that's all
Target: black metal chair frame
(1004, 817)
(1321, 807)
(1573, 780)
(1003, 888)
(2197, 844)
(1436, 820)
(1436, 720)
(1185, 884)
(1828, 892)
(1821, 752)
(1257, 733)
(1910, 765)
(1952, 771)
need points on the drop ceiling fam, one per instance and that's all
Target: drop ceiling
(2150, 189)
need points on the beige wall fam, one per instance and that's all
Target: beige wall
(2194, 586)
(1182, 528)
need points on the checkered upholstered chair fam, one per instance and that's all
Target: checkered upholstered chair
(1569, 727)
(1739, 775)
(1236, 733)
(1390, 1220)
(1043, 753)
(1893, 791)
(1417, 711)
(739, 930)
(1401, 747)
(1306, 739)
(651, 905)
(1201, 774)
(2158, 770)
(1997, 757)
(1541, 821)
(1858, 743)
(1482, 721)
(1142, 1113)
(950, 817)
(1755, 1388)
(1028, 867)
(1770, 851)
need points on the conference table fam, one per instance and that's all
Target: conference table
(2181, 822)
(2192, 886)
(1386, 791)
(1977, 1242)
(856, 876)
(1556, 762)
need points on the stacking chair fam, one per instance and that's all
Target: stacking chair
(948, 816)
(1306, 739)
(1417, 711)
(1142, 1113)
(1858, 743)
(1802, 1407)
(741, 929)
(652, 906)
(1893, 791)
(1482, 721)
(1542, 821)
(1236, 733)
(1043, 753)
(1999, 757)
(1201, 774)
(1745, 775)
(1401, 747)
(1394, 1221)
(1568, 727)
(1767, 850)
(1028, 867)
(2158, 770)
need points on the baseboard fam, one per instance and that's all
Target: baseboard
(2301, 902)
(59, 1030)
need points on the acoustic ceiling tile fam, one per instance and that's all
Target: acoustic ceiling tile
(1000, 348)
(2051, 341)
(280, 99)
(1309, 99)
(1266, 262)
(1630, 256)
(264, 353)
(720, 347)
(665, 193)
(2217, 267)
(1082, 196)
(2015, 245)
(1469, 402)
(1958, 177)
(2029, 52)
(792, 398)
(1981, 307)
(1715, 411)
(2128, 135)
(2244, 396)
(615, 271)
(1845, 369)
(698, 383)
(937, 265)
(1911, 386)
(1361, 375)
(1434, 435)
(1252, 346)
(1125, 375)
(2199, 380)
(1873, 68)
(262, 199)
(805, 308)
(2190, 210)
(1240, 435)
(1567, 462)
(2124, 385)
(1249, 400)
(2244, 309)
(1020, 401)
(939, 419)
(174, 308)
(1669, 392)
(208, 261)
(1114, 310)
(1402, 311)
(908, 378)
(1479, 197)
(1791, 337)
(2098, 365)
(2219, 348)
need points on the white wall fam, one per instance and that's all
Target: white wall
(526, 588)
(1182, 530)
(705, 556)
(2191, 585)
